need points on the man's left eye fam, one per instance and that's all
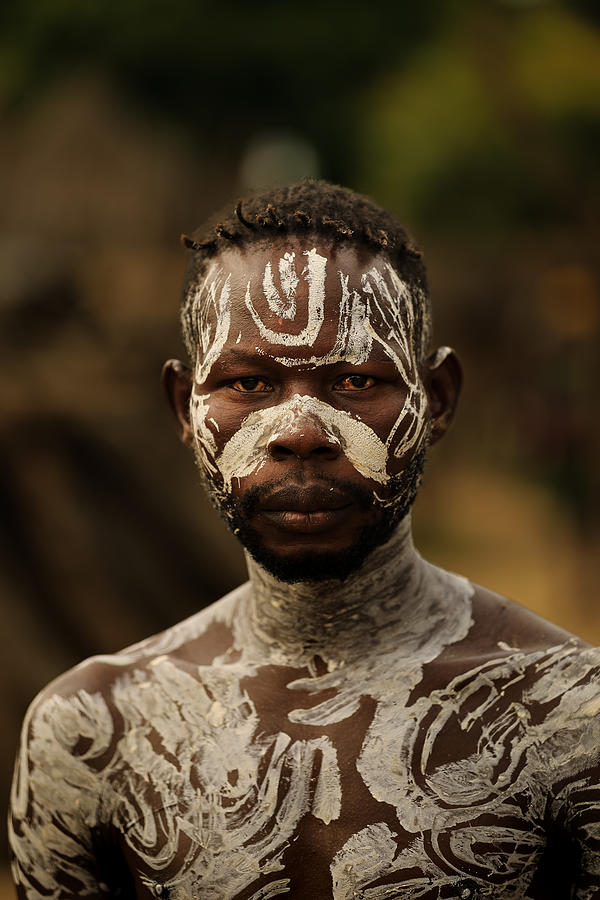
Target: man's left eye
(251, 384)
(354, 383)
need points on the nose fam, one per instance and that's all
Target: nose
(305, 436)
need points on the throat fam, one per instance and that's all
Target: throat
(395, 602)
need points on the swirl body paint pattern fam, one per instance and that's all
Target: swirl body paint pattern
(212, 779)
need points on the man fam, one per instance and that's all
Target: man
(353, 722)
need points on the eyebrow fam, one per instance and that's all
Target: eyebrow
(232, 358)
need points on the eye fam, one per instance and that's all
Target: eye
(354, 382)
(251, 384)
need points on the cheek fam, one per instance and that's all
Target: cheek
(230, 446)
(206, 430)
(245, 451)
(410, 428)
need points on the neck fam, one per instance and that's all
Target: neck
(393, 598)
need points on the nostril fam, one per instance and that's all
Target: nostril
(279, 451)
(303, 444)
(329, 451)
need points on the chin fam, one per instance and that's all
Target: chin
(307, 565)
(317, 565)
(313, 563)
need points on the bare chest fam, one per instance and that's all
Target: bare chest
(248, 788)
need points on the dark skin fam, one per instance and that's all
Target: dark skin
(485, 689)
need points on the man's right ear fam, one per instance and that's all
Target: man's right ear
(178, 379)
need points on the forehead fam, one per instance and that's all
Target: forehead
(319, 300)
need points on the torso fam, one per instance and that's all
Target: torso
(212, 777)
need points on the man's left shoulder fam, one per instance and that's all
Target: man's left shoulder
(506, 624)
(557, 673)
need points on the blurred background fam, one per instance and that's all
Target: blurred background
(124, 124)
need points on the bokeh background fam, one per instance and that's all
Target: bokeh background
(124, 124)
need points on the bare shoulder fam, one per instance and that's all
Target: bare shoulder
(197, 641)
(512, 645)
(528, 674)
(94, 740)
(500, 623)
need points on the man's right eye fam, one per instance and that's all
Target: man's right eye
(251, 384)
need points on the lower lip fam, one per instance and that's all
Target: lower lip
(311, 522)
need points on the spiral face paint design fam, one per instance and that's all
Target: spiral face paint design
(381, 313)
(315, 276)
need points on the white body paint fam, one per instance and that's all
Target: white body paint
(248, 450)
(286, 308)
(315, 276)
(172, 754)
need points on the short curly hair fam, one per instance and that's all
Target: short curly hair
(310, 207)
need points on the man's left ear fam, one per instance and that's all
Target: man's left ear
(441, 374)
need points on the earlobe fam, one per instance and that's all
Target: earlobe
(441, 374)
(177, 380)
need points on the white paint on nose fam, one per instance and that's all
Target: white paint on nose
(248, 449)
(297, 420)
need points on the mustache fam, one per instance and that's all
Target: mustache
(322, 490)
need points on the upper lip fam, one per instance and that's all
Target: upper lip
(306, 498)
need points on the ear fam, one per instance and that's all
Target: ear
(177, 380)
(441, 374)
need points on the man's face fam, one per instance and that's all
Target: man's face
(308, 415)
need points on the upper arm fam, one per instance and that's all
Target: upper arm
(564, 736)
(572, 756)
(583, 825)
(55, 799)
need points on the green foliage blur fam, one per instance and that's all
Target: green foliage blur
(456, 113)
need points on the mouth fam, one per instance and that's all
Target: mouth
(308, 509)
(312, 522)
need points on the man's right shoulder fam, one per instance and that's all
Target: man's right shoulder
(197, 640)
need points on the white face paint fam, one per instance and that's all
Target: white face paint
(380, 313)
(248, 449)
(315, 276)
(289, 282)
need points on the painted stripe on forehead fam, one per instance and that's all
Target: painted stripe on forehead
(353, 341)
(314, 274)
(285, 308)
(211, 304)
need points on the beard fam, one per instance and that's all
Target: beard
(315, 565)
